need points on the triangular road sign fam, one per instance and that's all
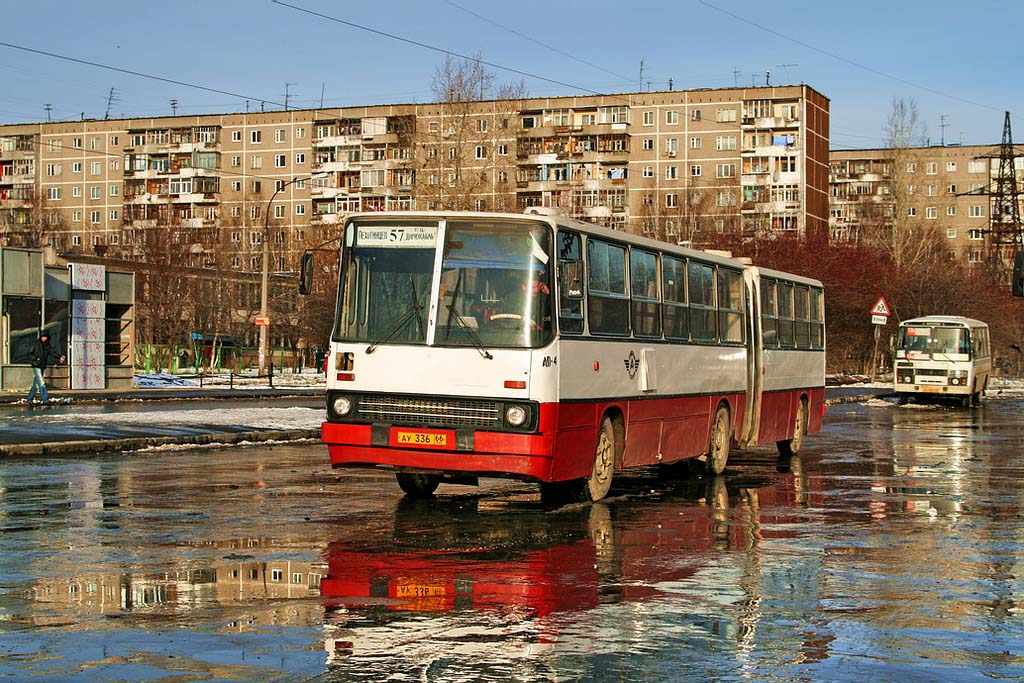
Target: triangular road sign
(880, 307)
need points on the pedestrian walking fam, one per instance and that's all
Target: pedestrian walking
(42, 356)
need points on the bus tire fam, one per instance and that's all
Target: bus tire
(718, 446)
(417, 485)
(790, 447)
(597, 485)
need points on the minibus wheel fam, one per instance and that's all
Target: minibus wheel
(596, 486)
(417, 485)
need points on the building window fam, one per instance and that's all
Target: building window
(480, 152)
(53, 193)
(236, 161)
(76, 240)
(726, 170)
(976, 166)
(725, 198)
(671, 146)
(76, 216)
(975, 256)
(481, 125)
(236, 185)
(912, 167)
(725, 142)
(77, 143)
(257, 186)
(279, 211)
(115, 165)
(236, 136)
(53, 169)
(931, 212)
(648, 118)
(256, 136)
(671, 200)
(256, 161)
(695, 170)
(671, 118)
(726, 115)
(94, 192)
(300, 209)
(695, 143)
(932, 168)
(113, 141)
(911, 211)
(96, 167)
(115, 190)
(502, 150)
(695, 115)
(94, 217)
(76, 191)
(976, 234)
(300, 158)
(951, 188)
(648, 172)
(280, 135)
(278, 185)
(279, 161)
(976, 211)
(950, 210)
(951, 166)
(671, 172)
(113, 214)
(76, 167)
(648, 143)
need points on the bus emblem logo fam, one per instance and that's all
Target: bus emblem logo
(632, 365)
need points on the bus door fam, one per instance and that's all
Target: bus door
(755, 356)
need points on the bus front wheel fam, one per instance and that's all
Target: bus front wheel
(417, 485)
(597, 485)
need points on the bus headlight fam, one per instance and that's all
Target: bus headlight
(516, 415)
(342, 406)
(954, 381)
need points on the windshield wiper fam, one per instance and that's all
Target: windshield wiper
(414, 310)
(477, 342)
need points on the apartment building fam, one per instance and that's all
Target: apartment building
(945, 187)
(208, 190)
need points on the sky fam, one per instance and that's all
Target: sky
(958, 62)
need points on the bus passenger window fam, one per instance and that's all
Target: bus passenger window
(730, 306)
(769, 315)
(570, 310)
(607, 301)
(802, 324)
(701, 284)
(643, 284)
(817, 320)
(674, 285)
(785, 302)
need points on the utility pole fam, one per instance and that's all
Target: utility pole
(48, 108)
(942, 127)
(174, 107)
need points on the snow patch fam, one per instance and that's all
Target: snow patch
(255, 417)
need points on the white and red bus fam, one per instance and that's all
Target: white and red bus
(537, 347)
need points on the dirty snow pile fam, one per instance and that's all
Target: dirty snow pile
(255, 417)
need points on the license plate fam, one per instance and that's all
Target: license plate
(931, 390)
(420, 590)
(422, 438)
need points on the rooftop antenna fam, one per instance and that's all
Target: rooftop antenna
(642, 64)
(287, 88)
(48, 108)
(735, 77)
(785, 67)
(943, 125)
(323, 85)
(670, 84)
(174, 107)
(111, 98)
(767, 78)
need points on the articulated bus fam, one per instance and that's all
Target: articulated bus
(942, 356)
(537, 347)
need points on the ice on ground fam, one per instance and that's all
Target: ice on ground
(163, 379)
(288, 380)
(255, 417)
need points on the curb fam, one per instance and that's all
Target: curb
(93, 446)
(857, 399)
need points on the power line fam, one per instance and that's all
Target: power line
(537, 42)
(844, 59)
(443, 51)
(130, 72)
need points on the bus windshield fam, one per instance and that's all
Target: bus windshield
(494, 291)
(495, 285)
(921, 342)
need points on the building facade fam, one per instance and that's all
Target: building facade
(208, 190)
(947, 188)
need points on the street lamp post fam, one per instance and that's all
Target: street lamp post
(265, 279)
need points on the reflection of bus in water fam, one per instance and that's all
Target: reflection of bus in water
(942, 356)
(542, 348)
(480, 590)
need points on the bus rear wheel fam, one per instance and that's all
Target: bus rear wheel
(417, 485)
(790, 447)
(718, 448)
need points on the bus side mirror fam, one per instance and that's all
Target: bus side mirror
(1017, 284)
(306, 274)
(572, 279)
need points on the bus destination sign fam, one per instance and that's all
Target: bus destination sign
(409, 236)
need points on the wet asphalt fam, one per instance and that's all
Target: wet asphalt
(890, 549)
